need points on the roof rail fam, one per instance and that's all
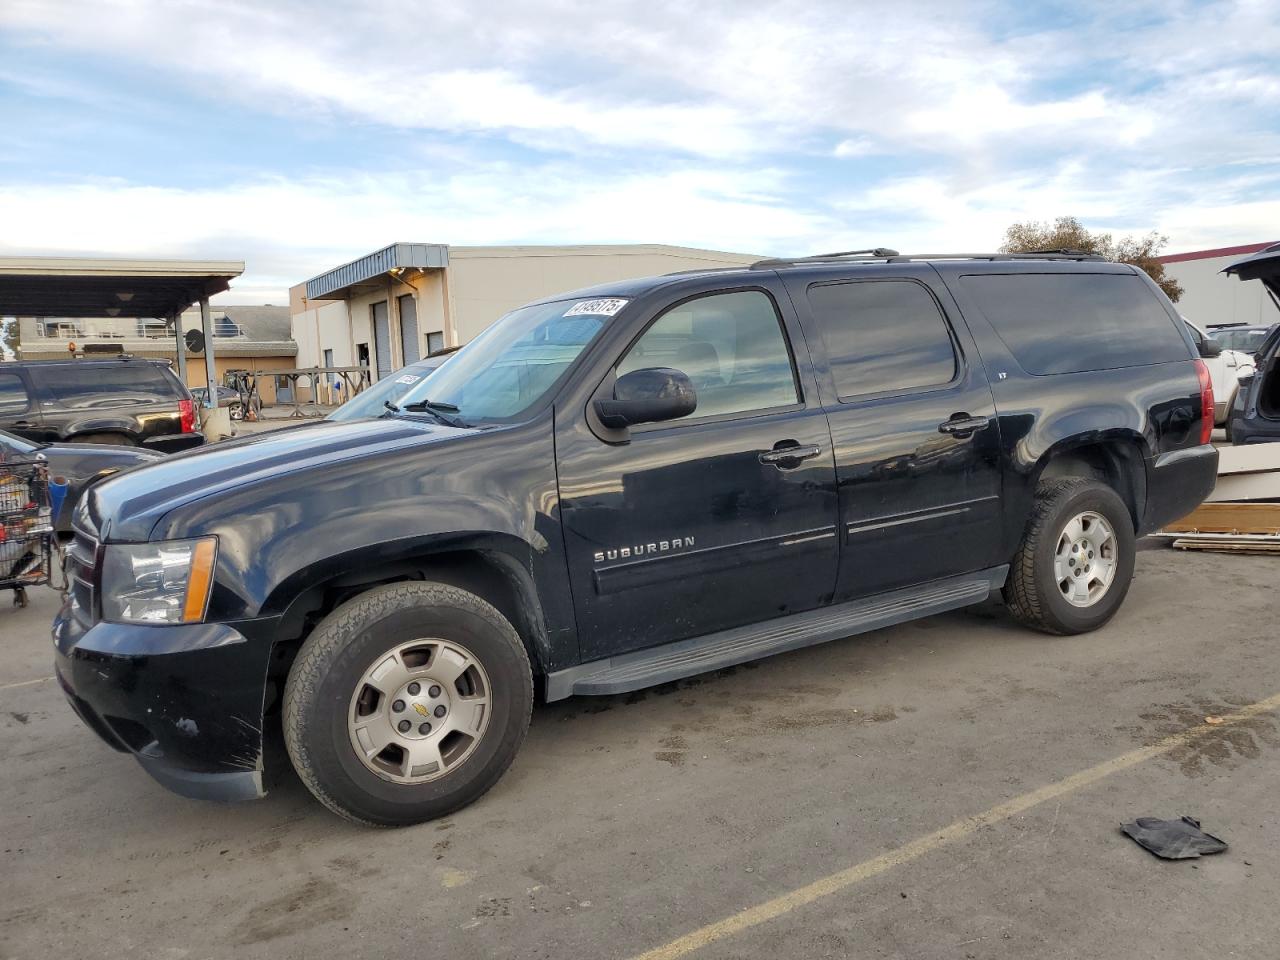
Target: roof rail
(892, 256)
(875, 253)
(682, 273)
(1034, 255)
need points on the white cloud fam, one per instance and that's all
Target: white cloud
(719, 79)
(289, 230)
(708, 124)
(855, 147)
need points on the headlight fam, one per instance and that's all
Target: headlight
(165, 582)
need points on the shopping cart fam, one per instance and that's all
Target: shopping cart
(26, 525)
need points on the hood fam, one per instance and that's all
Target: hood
(1263, 265)
(127, 507)
(108, 453)
(81, 460)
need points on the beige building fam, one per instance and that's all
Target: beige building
(1211, 297)
(252, 338)
(409, 300)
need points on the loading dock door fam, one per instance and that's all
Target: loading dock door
(408, 328)
(381, 340)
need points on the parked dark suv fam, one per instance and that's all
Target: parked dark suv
(122, 400)
(624, 486)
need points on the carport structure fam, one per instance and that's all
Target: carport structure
(77, 287)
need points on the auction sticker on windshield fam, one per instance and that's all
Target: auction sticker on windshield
(596, 308)
(408, 378)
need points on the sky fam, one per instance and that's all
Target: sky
(299, 135)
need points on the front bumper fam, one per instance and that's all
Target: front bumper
(185, 700)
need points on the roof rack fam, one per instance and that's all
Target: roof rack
(875, 253)
(892, 256)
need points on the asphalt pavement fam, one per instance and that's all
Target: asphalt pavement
(951, 788)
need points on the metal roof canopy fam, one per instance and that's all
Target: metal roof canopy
(93, 287)
(424, 256)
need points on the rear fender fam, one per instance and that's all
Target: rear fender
(102, 424)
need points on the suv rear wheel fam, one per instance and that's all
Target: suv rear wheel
(1075, 563)
(406, 703)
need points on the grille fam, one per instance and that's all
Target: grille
(82, 558)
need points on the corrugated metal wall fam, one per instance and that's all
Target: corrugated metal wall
(410, 350)
(381, 340)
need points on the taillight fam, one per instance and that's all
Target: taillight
(1206, 402)
(187, 415)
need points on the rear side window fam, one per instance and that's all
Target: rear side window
(13, 394)
(105, 385)
(1072, 322)
(883, 336)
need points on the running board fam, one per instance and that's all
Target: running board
(715, 651)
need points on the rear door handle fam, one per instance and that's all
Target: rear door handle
(790, 456)
(23, 424)
(962, 425)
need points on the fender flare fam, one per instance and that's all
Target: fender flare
(450, 558)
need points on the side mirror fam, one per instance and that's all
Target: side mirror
(650, 395)
(1210, 347)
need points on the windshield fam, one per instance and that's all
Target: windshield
(12, 445)
(371, 401)
(514, 362)
(1245, 340)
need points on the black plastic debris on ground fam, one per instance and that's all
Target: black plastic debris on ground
(1180, 839)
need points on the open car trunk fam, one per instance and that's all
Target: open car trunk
(1264, 266)
(1269, 376)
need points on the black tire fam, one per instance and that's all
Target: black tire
(1032, 593)
(111, 439)
(350, 640)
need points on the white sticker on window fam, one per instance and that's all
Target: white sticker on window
(598, 308)
(408, 378)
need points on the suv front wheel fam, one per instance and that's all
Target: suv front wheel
(1075, 563)
(406, 703)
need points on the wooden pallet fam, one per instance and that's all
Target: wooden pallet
(1233, 518)
(1225, 543)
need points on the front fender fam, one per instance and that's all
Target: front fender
(279, 533)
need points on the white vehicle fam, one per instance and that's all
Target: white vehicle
(1226, 367)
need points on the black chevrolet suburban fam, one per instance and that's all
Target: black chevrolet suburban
(624, 486)
(124, 401)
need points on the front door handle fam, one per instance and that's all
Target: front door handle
(23, 424)
(790, 455)
(962, 425)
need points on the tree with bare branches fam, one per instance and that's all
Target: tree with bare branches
(1068, 233)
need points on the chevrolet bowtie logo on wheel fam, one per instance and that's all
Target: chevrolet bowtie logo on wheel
(422, 711)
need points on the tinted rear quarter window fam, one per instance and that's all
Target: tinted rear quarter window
(1073, 322)
(13, 395)
(105, 385)
(883, 336)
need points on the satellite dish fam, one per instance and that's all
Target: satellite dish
(194, 340)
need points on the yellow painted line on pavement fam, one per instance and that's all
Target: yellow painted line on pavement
(960, 829)
(24, 683)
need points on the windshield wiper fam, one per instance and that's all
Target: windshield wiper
(438, 409)
(390, 406)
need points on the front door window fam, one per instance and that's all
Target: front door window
(730, 345)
